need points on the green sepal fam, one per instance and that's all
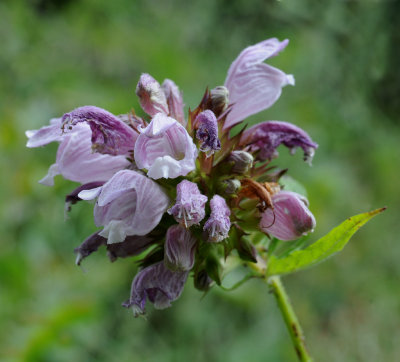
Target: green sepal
(325, 247)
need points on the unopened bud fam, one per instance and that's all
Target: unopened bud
(179, 248)
(231, 186)
(242, 161)
(151, 96)
(202, 281)
(219, 99)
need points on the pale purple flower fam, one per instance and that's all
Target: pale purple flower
(207, 132)
(75, 159)
(253, 85)
(180, 245)
(189, 208)
(158, 284)
(128, 204)
(290, 218)
(218, 224)
(265, 137)
(110, 135)
(165, 149)
(151, 95)
(174, 101)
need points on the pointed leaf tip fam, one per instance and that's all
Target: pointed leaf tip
(322, 249)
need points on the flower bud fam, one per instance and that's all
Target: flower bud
(189, 208)
(201, 280)
(207, 132)
(174, 101)
(219, 99)
(151, 96)
(231, 186)
(179, 248)
(157, 284)
(218, 224)
(290, 218)
(242, 161)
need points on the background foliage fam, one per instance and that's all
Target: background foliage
(57, 55)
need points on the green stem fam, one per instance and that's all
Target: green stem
(290, 318)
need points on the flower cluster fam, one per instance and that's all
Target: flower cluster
(183, 193)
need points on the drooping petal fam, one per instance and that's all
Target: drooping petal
(151, 95)
(157, 284)
(89, 246)
(265, 137)
(110, 135)
(165, 149)
(290, 218)
(129, 204)
(252, 84)
(174, 100)
(189, 208)
(218, 224)
(179, 248)
(207, 132)
(45, 135)
(132, 245)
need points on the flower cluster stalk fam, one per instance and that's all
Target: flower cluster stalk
(290, 318)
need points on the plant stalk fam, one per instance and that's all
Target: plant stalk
(290, 318)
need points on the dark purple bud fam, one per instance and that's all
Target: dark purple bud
(201, 280)
(290, 218)
(219, 99)
(207, 132)
(157, 284)
(110, 135)
(174, 101)
(189, 208)
(131, 246)
(179, 248)
(242, 161)
(267, 136)
(151, 96)
(89, 246)
(218, 224)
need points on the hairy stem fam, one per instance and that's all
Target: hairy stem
(290, 318)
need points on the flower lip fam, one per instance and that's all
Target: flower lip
(253, 85)
(128, 204)
(165, 149)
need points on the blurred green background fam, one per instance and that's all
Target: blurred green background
(57, 55)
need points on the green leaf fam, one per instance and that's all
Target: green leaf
(328, 245)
